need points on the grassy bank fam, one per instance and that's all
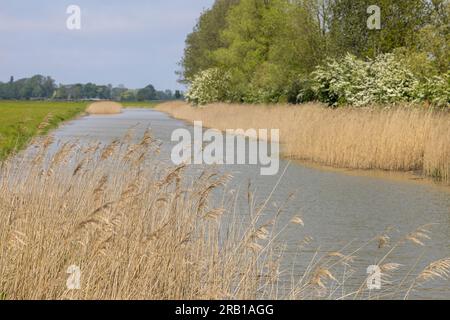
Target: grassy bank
(21, 120)
(137, 230)
(400, 139)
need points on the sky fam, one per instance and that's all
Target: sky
(134, 42)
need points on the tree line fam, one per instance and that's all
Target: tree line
(270, 49)
(42, 87)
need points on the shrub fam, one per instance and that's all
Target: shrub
(255, 95)
(211, 85)
(341, 82)
(301, 91)
(435, 90)
(356, 82)
(392, 81)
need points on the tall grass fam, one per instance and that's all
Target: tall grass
(401, 138)
(104, 107)
(140, 104)
(138, 230)
(135, 232)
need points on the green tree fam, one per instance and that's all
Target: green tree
(434, 38)
(117, 92)
(400, 22)
(61, 93)
(90, 90)
(128, 95)
(147, 93)
(205, 39)
(248, 38)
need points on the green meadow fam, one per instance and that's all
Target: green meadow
(21, 120)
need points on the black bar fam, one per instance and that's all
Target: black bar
(216, 309)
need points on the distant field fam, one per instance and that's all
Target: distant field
(21, 120)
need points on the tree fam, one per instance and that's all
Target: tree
(90, 90)
(48, 87)
(178, 95)
(116, 93)
(248, 37)
(128, 95)
(147, 93)
(299, 44)
(434, 38)
(401, 20)
(7, 89)
(103, 92)
(75, 91)
(61, 93)
(39, 87)
(168, 94)
(205, 39)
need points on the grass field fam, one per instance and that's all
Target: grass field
(21, 120)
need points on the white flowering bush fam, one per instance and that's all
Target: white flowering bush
(356, 82)
(392, 81)
(211, 85)
(341, 82)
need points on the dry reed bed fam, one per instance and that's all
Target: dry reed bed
(401, 139)
(134, 231)
(140, 231)
(104, 107)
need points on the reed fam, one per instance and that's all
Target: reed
(139, 230)
(104, 107)
(398, 139)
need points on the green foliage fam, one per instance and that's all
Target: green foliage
(43, 88)
(434, 38)
(434, 90)
(400, 22)
(128, 95)
(147, 93)
(29, 88)
(270, 49)
(269, 46)
(209, 86)
(205, 38)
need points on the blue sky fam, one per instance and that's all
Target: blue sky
(133, 42)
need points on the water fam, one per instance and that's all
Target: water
(339, 210)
